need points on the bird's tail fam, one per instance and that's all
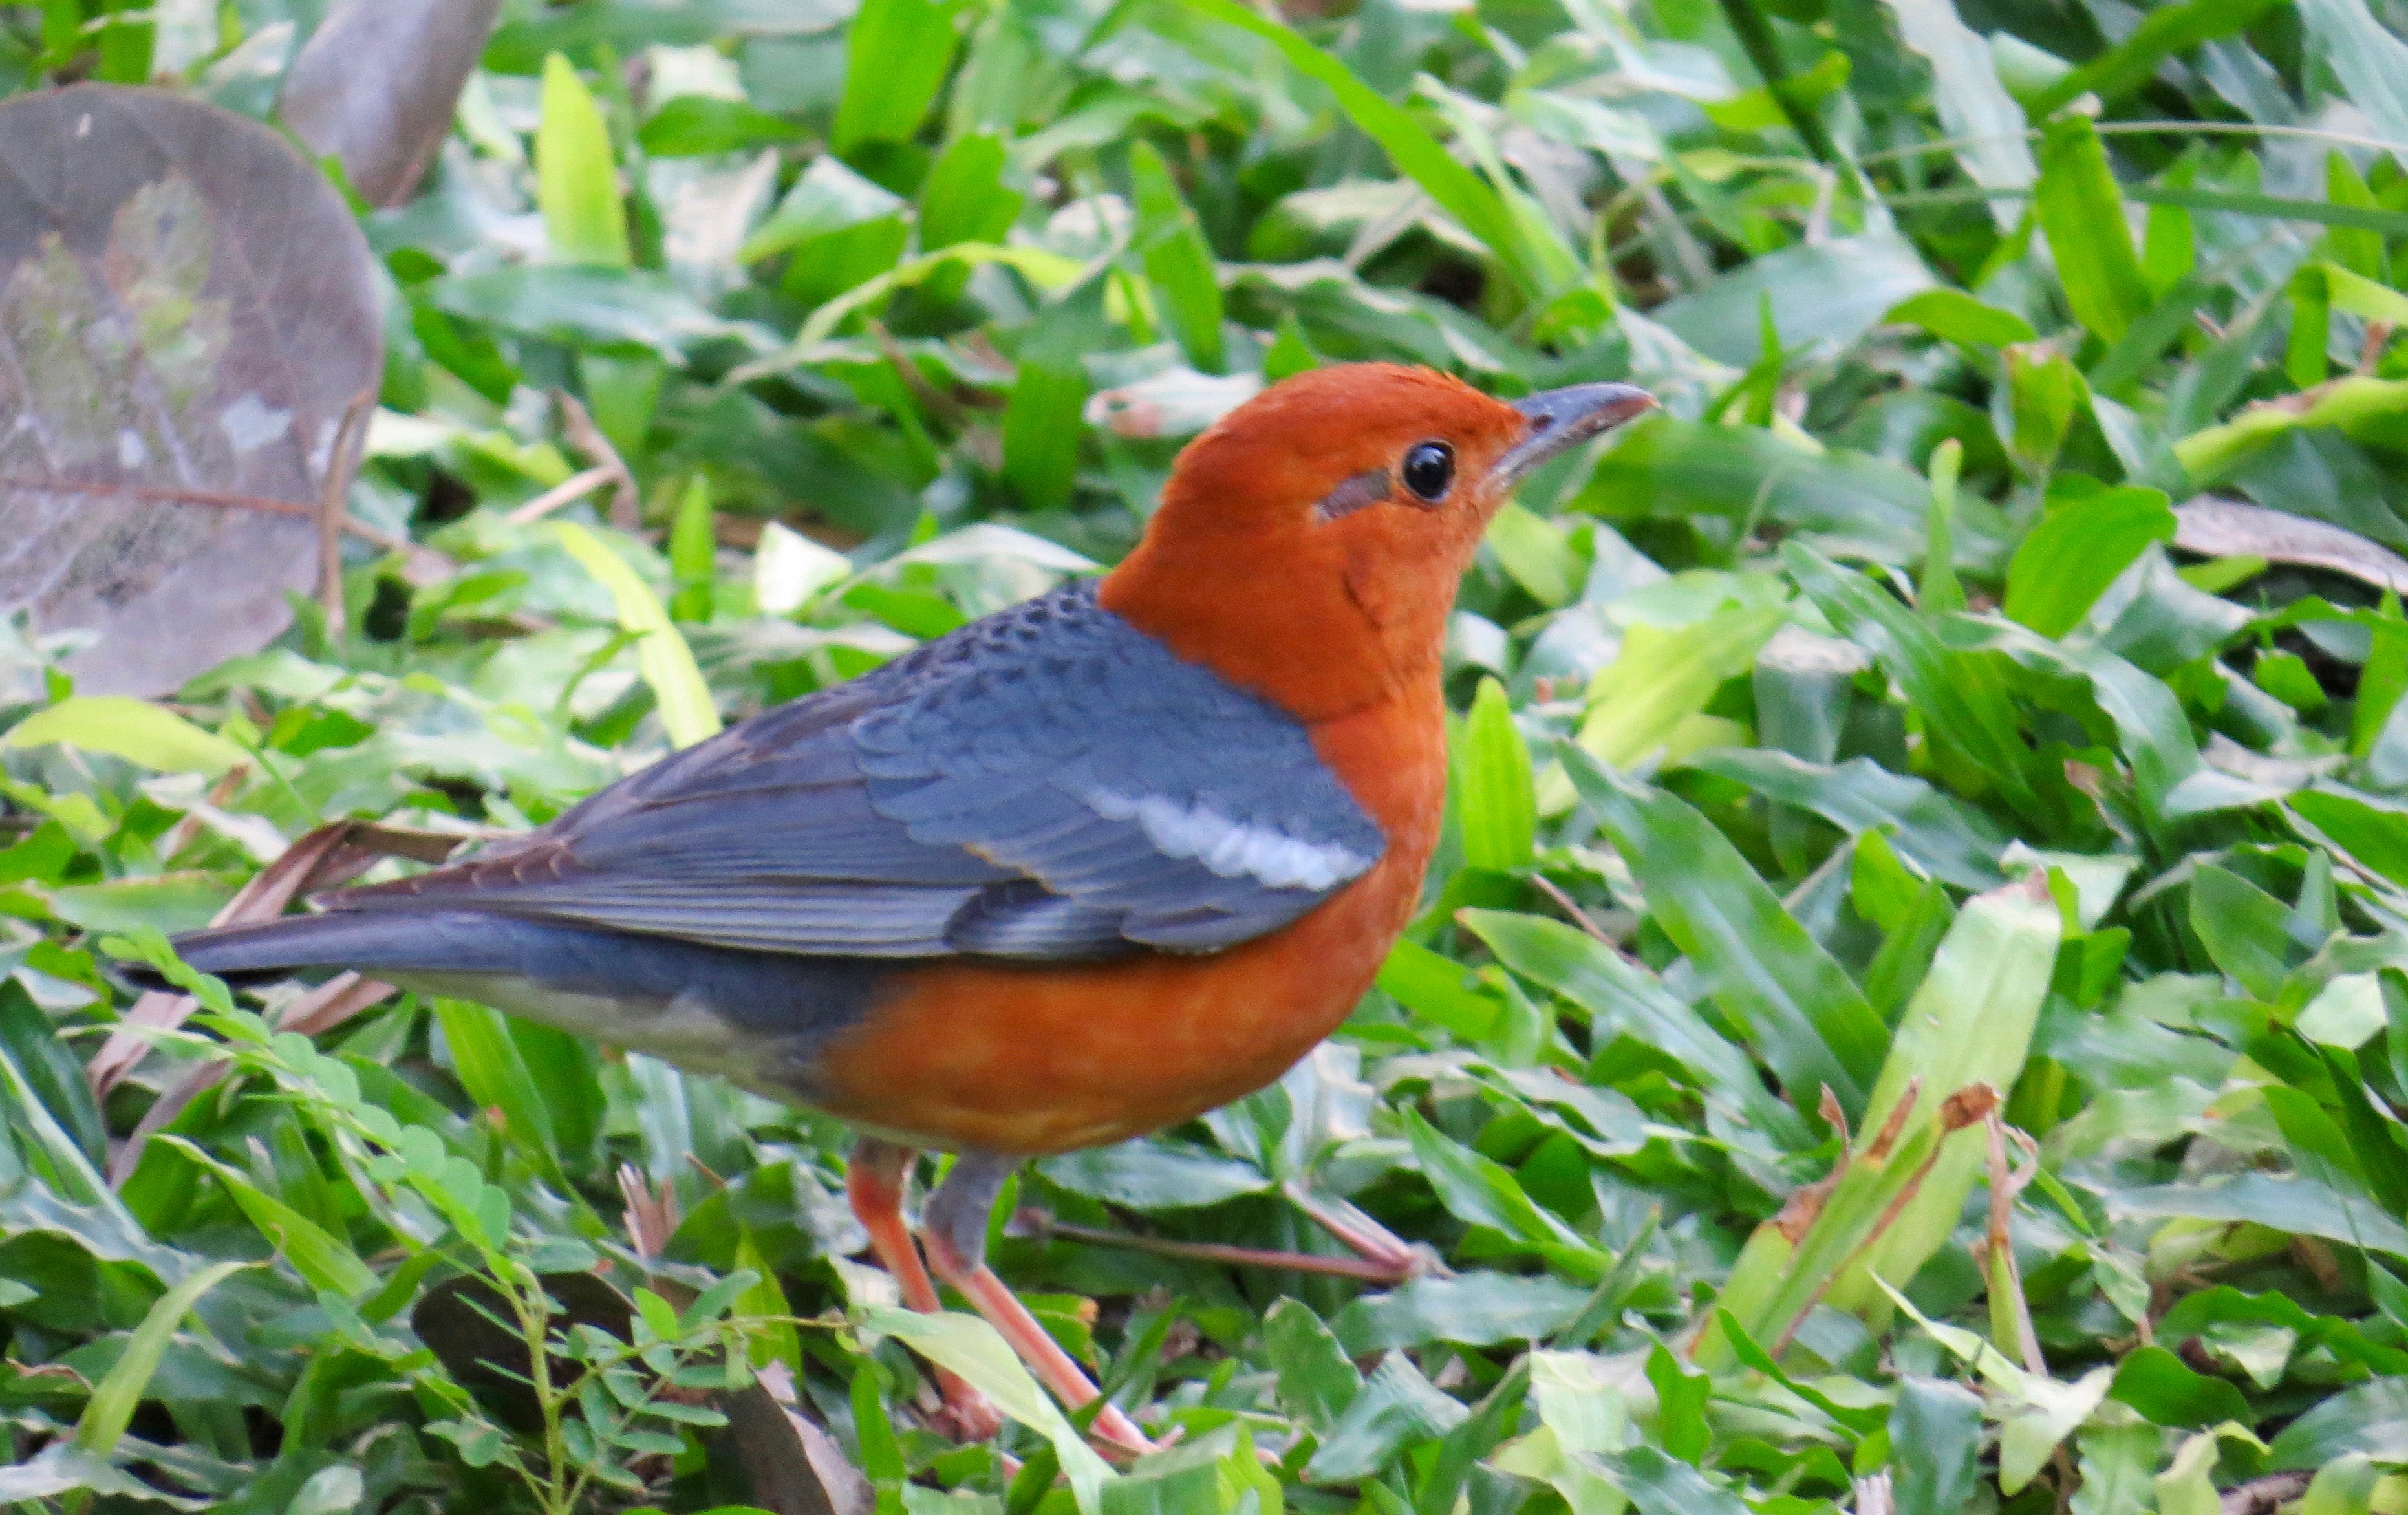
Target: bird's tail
(302, 945)
(745, 1014)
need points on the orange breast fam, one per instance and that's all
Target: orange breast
(1033, 1059)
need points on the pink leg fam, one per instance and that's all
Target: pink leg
(955, 1224)
(873, 1181)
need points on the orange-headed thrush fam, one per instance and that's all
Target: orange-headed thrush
(1080, 870)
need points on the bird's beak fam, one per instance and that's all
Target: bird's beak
(1560, 419)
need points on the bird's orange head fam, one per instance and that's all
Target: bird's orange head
(1309, 545)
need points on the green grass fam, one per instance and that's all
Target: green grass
(1914, 985)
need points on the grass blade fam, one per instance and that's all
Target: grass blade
(1963, 697)
(972, 1347)
(497, 1078)
(1625, 996)
(2284, 207)
(323, 1260)
(1459, 191)
(2072, 557)
(577, 180)
(688, 711)
(1639, 703)
(1178, 262)
(1754, 33)
(114, 1400)
(2371, 62)
(2162, 33)
(135, 730)
(2083, 213)
(1975, 106)
(1494, 794)
(897, 55)
(1758, 962)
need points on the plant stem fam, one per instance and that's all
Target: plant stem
(1754, 33)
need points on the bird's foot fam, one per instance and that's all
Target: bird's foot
(1117, 1436)
(962, 1413)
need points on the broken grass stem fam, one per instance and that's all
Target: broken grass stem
(352, 429)
(1972, 1104)
(1366, 1269)
(568, 491)
(2009, 1314)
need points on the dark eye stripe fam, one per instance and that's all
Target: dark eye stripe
(1368, 487)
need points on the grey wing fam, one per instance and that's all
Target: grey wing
(1047, 784)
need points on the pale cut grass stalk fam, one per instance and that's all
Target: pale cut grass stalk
(1837, 1232)
(1969, 1023)
(1891, 1203)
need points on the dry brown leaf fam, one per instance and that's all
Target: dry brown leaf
(187, 311)
(330, 855)
(1893, 1125)
(2220, 528)
(376, 85)
(1969, 1105)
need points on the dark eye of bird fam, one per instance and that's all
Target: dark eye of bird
(1429, 469)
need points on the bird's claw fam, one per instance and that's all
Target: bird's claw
(1117, 1436)
(963, 1414)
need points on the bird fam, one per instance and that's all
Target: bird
(1078, 871)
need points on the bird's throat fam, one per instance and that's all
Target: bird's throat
(1329, 637)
